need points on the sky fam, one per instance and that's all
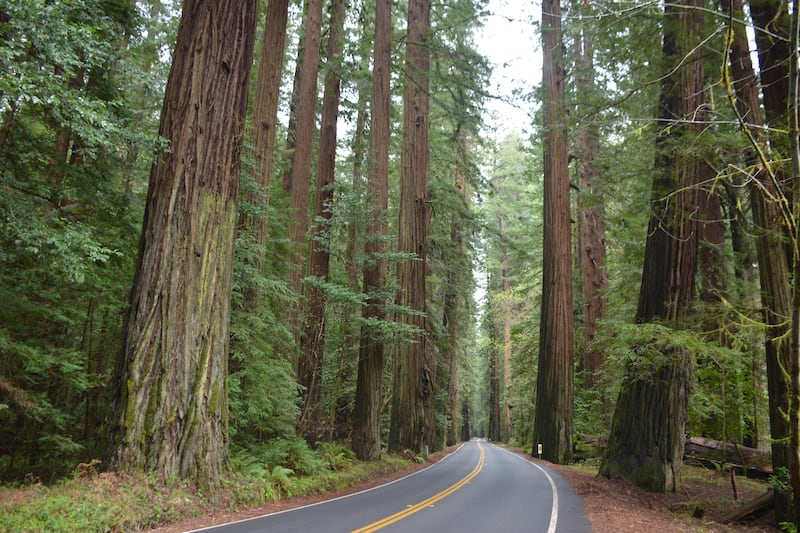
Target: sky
(510, 42)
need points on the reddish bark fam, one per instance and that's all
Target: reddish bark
(413, 419)
(647, 433)
(554, 384)
(172, 399)
(592, 228)
(366, 418)
(312, 342)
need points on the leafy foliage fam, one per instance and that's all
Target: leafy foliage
(68, 225)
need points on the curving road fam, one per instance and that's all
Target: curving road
(479, 487)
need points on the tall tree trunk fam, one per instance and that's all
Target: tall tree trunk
(366, 418)
(647, 434)
(455, 280)
(712, 264)
(297, 180)
(494, 382)
(313, 339)
(465, 421)
(412, 419)
(265, 111)
(508, 421)
(554, 383)
(748, 296)
(794, 156)
(262, 136)
(771, 19)
(355, 228)
(773, 262)
(453, 411)
(713, 290)
(171, 405)
(592, 228)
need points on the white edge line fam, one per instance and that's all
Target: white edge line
(332, 499)
(554, 511)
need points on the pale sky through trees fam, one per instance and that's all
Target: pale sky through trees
(510, 41)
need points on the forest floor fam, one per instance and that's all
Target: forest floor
(620, 506)
(611, 505)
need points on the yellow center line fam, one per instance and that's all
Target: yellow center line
(408, 511)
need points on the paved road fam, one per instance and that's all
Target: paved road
(479, 487)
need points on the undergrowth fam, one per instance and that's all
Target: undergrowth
(100, 502)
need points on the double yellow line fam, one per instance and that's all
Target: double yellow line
(408, 511)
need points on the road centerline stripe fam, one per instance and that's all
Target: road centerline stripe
(411, 509)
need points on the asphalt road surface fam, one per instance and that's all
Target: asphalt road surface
(479, 487)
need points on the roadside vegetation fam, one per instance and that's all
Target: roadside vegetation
(91, 500)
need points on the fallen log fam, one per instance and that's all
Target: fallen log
(750, 460)
(752, 509)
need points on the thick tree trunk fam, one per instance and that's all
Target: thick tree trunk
(647, 433)
(413, 420)
(172, 399)
(313, 339)
(366, 418)
(554, 383)
(772, 22)
(769, 220)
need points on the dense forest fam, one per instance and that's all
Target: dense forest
(237, 233)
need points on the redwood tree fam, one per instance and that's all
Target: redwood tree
(412, 419)
(771, 18)
(769, 221)
(508, 419)
(592, 228)
(367, 412)
(554, 385)
(265, 110)
(297, 179)
(312, 341)
(455, 280)
(647, 433)
(171, 406)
